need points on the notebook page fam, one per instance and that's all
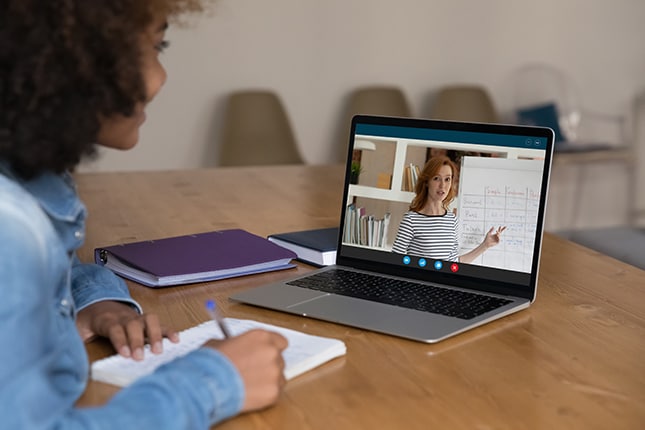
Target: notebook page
(304, 352)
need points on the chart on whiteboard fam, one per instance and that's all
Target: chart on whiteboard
(496, 192)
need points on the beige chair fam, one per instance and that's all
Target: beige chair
(387, 100)
(256, 131)
(464, 103)
(379, 100)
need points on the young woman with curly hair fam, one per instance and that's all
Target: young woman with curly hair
(429, 229)
(75, 74)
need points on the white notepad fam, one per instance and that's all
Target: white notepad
(304, 352)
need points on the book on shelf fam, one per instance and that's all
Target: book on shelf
(365, 230)
(305, 351)
(317, 246)
(352, 223)
(194, 258)
(384, 181)
(411, 175)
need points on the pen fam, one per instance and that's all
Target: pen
(212, 310)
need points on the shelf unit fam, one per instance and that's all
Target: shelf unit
(401, 159)
(379, 193)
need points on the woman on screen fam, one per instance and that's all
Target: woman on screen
(429, 229)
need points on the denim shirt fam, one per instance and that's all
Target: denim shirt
(43, 363)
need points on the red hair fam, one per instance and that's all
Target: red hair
(430, 170)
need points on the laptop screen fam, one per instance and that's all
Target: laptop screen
(448, 202)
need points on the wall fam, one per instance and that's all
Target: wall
(313, 53)
(639, 141)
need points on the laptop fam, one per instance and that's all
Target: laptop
(404, 273)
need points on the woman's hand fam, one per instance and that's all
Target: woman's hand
(493, 236)
(124, 326)
(257, 355)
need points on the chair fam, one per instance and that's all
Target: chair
(535, 86)
(383, 100)
(379, 100)
(464, 103)
(256, 131)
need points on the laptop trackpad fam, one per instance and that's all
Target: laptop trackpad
(277, 296)
(346, 310)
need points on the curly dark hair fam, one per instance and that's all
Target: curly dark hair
(64, 64)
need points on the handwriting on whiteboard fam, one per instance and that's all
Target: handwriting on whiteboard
(496, 193)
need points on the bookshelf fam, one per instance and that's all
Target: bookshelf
(385, 201)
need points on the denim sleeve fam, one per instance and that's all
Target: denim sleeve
(192, 392)
(44, 365)
(92, 283)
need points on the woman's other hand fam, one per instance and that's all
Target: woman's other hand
(124, 326)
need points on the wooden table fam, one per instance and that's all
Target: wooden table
(575, 359)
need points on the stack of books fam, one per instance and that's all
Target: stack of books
(365, 230)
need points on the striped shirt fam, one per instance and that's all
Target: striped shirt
(430, 236)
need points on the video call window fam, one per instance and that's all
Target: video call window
(493, 186)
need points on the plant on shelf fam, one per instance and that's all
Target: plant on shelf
(355, 171)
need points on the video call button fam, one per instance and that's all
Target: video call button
(406, 260)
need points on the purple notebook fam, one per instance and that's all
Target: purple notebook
(194, 258)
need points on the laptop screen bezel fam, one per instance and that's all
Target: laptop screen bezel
(457, 280)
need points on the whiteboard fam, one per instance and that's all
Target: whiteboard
(496, 192)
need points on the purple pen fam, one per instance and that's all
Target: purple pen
(212, 310)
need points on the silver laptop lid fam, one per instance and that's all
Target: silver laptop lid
(499, 180)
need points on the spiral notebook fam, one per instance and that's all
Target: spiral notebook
(305, 351)
(196, 257)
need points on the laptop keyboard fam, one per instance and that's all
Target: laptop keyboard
(405, 294)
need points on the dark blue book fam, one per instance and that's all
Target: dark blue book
(317, 247)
